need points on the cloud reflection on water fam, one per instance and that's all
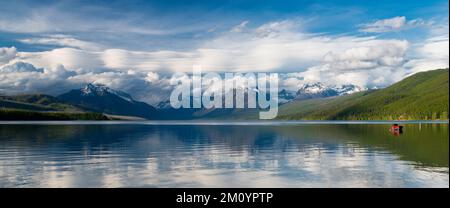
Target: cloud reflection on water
(218, 156)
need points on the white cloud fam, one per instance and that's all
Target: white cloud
(292, 84)
(374, 54)
(69, 57)
(20, 77)
(19, 67)
(392, 24)
(7, 54)
(432, 54)
(148, 61)
(62, 40)
(152, 77)
(30, 23)
(270, 47)
(274, 46)
(377, 63)
(436, 47)
(56, 19)
(59, 71)
(240, 27)
(279, 46)
(272, 29)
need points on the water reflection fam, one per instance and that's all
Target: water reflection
(223, 156)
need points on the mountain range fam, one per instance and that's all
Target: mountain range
(94, 101)
(99, 98)
(420, 96)
(319, 90)
(43, 107)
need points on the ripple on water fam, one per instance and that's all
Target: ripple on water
(332, 155)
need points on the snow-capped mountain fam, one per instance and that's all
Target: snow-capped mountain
(319, 90)
(348, 89)
(101, 90)
(100, 98)
(285, 96)
(306, 91)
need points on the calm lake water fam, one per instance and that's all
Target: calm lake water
(87, 154)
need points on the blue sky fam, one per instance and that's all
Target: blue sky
(161, 23)
(137, 44)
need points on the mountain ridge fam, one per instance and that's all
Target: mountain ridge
(421, 96)
(319, 90)
(100, 98)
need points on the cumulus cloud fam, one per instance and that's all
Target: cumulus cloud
(392, 24)
(375, 54)
(152, 77)
(7, 54)
(59, 71)
(378, 63)
(432, 54)
(20, 77)
(270, 47)
(278, 46)
(274, 46)
(71, 58)
(436, 47)
(20, 67)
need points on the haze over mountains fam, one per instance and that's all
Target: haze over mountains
(305, 91)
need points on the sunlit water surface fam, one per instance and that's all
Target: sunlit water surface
(222, 155)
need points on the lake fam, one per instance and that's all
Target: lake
(223, 154)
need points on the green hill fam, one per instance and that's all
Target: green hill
(42, 107)
(24, 115)
(37, 102)
(422, 96)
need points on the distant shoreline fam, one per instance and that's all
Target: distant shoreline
(210, 122)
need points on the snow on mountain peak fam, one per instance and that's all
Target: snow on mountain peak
(320, 90)
(94, 88)
(348, 89)
(101, 89)
(312, 88)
